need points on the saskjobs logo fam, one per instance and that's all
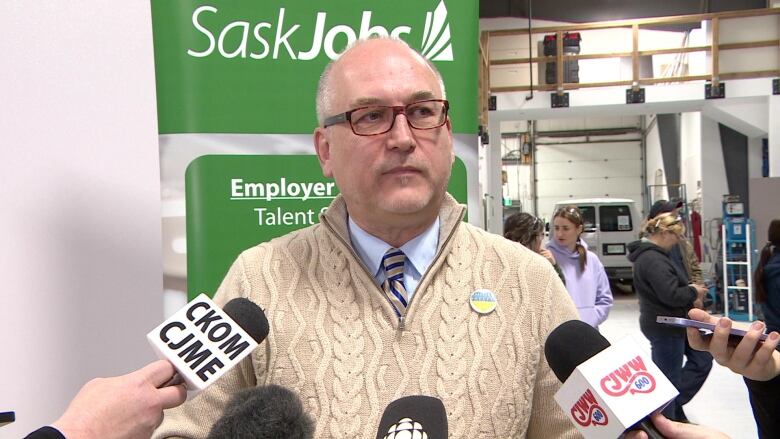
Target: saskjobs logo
(264, 39)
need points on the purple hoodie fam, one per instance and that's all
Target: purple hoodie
(588, 289)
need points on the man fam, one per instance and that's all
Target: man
(373, 303)
(124, 407)
(697, 363)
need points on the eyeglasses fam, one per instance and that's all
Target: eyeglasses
(378, 119)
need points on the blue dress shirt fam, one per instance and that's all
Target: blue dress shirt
(419, 252)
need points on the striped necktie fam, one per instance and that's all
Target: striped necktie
(393, 262)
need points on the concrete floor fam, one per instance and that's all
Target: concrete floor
(722, 403)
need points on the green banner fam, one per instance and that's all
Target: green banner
(236, 84)
(234, 201)
(253, 66)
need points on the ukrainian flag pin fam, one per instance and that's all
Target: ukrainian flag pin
(483, 301)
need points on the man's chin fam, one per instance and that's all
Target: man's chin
(406, 203)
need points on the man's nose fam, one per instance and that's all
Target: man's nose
(400, 135)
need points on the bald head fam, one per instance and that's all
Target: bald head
(360, 54)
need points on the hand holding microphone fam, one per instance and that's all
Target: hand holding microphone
(203, 342)
(615, 387)
(197, 345)
(124, 407)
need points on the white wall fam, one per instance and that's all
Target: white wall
(755, 156)
(80, 255)
(774, 136)
(713, 170)
(654, 163)
(701, 159)
(690, 152)
(519, 185)
(744, 30)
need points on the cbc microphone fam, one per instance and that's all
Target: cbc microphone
(606, 389)
(414, 417)
(203, 342)
(265, 412)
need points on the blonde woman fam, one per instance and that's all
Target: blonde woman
(665, 290)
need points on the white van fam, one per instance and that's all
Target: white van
(609, 224)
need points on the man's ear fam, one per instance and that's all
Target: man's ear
(322, 146)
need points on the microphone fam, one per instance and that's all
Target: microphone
(203, 342)
(417, 416)
(606, 389)
(265, 412)
(249, 317)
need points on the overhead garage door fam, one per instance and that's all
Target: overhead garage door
(610, 169)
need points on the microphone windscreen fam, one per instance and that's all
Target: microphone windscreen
(571, 344)
(417, 416)
(249, 317)
(266, 412)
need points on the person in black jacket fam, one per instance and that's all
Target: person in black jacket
(664, 290)
(764, 398)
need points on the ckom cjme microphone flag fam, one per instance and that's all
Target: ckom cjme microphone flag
(203, 342)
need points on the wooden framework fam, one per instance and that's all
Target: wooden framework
(714, 48)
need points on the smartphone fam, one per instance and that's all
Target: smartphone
(705, 328)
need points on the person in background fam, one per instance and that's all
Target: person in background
(586, 279)
(683, 254)
(664, 290)
(528, 230)
(684, 258)
(765, 395)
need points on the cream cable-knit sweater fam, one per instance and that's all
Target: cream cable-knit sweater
(335, 340)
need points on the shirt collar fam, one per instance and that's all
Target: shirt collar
(419, 251)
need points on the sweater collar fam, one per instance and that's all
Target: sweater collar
(450, 215)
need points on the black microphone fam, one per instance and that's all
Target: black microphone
(265, 412)
(249, 317)
(571, 344)
(417, 416)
